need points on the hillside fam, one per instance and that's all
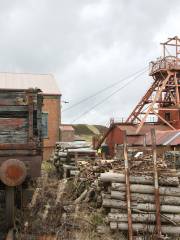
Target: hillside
(86, 131)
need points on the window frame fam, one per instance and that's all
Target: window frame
(45, 126)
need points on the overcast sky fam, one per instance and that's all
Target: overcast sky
(88, 45)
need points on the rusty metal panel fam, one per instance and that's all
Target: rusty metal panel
(165, 138)
(11, 146)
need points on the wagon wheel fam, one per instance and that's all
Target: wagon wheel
(9, 207)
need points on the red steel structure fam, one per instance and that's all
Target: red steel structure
(162, 100)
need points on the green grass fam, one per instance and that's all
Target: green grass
(83, 129)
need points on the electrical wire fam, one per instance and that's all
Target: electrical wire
(109, 96)
(102, 90)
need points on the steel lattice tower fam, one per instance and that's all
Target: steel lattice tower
(162, 98)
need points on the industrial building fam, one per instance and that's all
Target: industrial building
(66, 133)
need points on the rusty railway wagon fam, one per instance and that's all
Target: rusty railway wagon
(20, 145)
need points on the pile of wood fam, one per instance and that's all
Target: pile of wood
(67, 155)
(73, 159)
(143, 208)
(92, 170)
(142, 159)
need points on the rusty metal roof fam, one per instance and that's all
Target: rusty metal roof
(131, 128)
(66, 128)
(165, 138)
(45, 82)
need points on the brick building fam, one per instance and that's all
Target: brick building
(67, 133)
(51, 103)
(116, 133)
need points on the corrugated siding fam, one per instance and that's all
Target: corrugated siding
(165, 138)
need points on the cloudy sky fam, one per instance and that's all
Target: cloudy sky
(89, 45)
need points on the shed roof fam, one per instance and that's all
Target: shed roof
(131, 128)
(66, 128)
(45, 82)
(163, 138)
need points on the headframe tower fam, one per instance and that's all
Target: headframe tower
(162, 100)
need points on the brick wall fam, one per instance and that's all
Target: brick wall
(51, 105)
(66, 136)
(174, 117)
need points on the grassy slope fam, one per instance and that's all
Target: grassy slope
(87, 131)
(83, 129)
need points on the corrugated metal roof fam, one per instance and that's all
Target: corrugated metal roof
(45, 82)
(66, 128)
(131, 128)
(175, 141)
(165, 138)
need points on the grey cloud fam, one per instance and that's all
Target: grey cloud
(87, 44)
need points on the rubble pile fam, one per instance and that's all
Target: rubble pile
(55, 212)
(66, 209)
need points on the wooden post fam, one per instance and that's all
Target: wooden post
(9, 207)
(144, 140)
(30, 110)
(156, 185)
(76, 158)
(128, 194)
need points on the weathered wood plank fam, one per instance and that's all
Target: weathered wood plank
(13, 109)
(13, 130)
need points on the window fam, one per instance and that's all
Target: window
(45, 125)
(167, 116)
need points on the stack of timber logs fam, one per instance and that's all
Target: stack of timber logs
(141, 159)
(67, 155)
(73, 159)
(143, 208)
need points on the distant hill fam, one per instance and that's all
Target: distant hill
(86, 131)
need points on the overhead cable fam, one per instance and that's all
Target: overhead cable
(109, 96)
(104, 89)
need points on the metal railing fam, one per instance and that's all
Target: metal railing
(167, 63)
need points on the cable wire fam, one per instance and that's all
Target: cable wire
(102, 90)
(109, 96)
